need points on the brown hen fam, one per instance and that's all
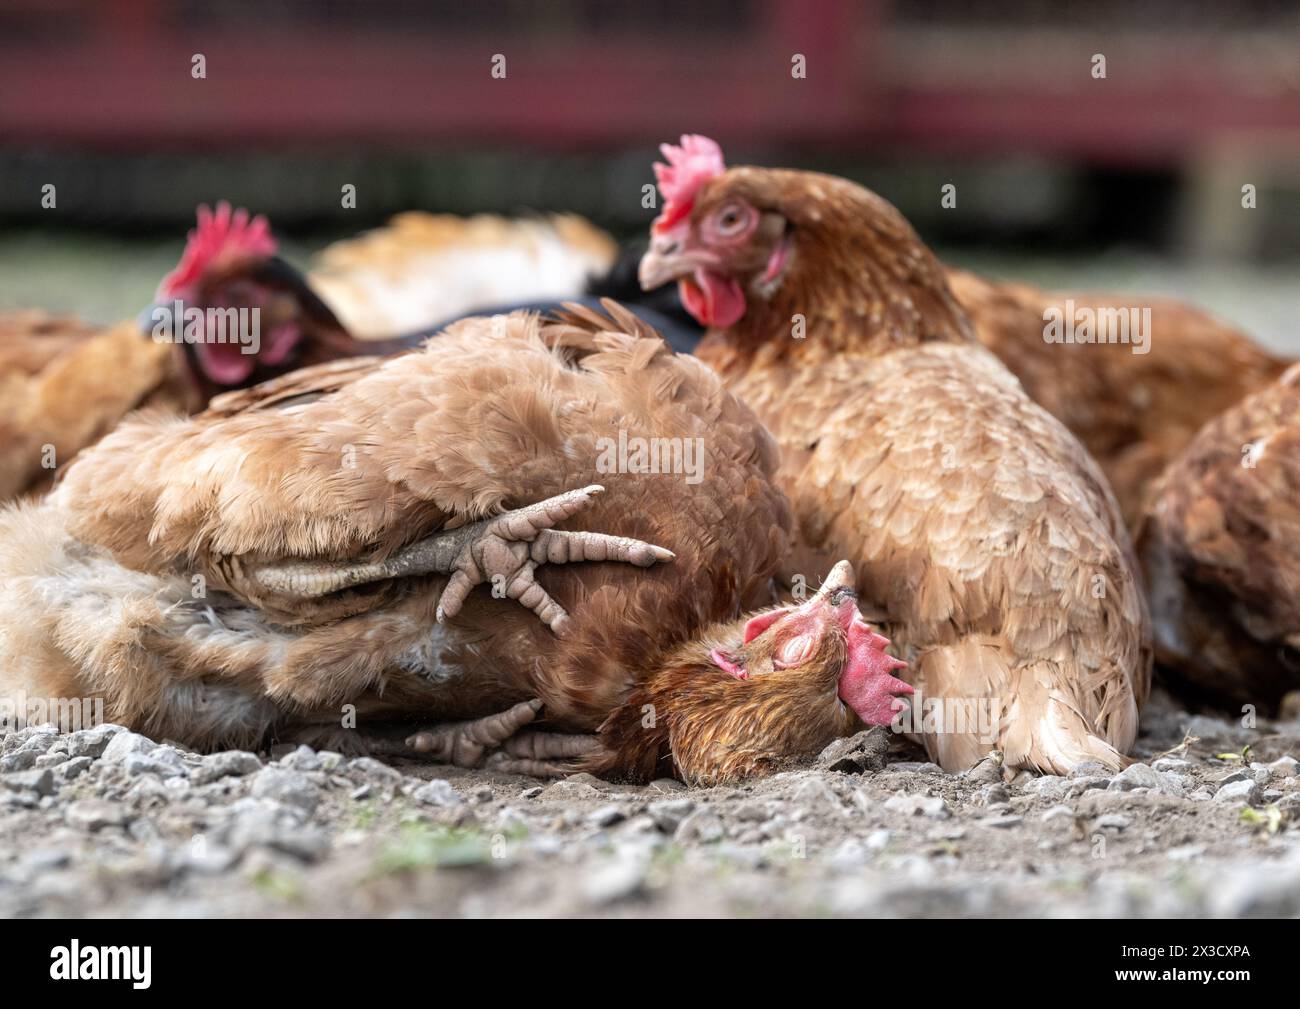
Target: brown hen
(64, 383)
(1133, 404)
(314, 544)
(1221, 552)
(982, 532)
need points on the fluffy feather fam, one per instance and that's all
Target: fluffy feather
(1221, 550)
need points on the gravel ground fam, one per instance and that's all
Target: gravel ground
(104, 822)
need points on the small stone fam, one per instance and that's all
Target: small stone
(230, 763)
(290, 787)
(918, 805)
(531, 793)
(814, 793)
(668, 814)
(1238, 791)
(258, 823)
(53, 759)
(703, 826)
(865, 751)
(40, 738)
(1232, 776)
(1111, 821)
(1185, 852)
(1003, 822)
(620, 878)
(375, 770)
(1136, 776)
(1092, 769)
(95, 814)
(1284, 767)
(1173, 764)
(44, 860)
(666, 785)
(878, 840)
(92, 742)
(72, 768)
(148, 790)
(302, 759)
(40, 781)
(362, 791)
(329, 760)
(606, 816)
(1063, 813)
(1048, 785)
(20, 760)
(162, 761)
(1078, 786)
(993, 794)
(915, 767)
(567, 790)
(987, 770)
(437, 793)
(123, 743)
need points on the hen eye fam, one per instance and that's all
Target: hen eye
(794, 651)
(732, 219)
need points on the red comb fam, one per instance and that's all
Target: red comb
(689, 166)
(219, 234)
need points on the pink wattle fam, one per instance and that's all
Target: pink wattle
(867, 684)
(224, 363)
(713, 298)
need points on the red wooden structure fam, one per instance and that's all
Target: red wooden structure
(587, 74)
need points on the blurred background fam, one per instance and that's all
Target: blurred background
(1132, 181)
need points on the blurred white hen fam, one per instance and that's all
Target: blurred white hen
(421, 268)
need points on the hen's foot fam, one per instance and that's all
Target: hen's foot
(465, 744)
(507, 550)
(544, 754)
(504, 551)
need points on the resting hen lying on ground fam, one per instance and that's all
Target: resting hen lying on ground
(1134, 406)
(977, 523)
(1221, 551)
(312, 544)
(65, 383)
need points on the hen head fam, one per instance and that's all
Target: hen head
(747, 697)
(825, 641)
(237, 313)
(737, 239)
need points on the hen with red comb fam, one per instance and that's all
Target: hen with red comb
(980, 528)
(221, 236)
(688, 167)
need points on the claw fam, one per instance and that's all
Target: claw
(508, 547)
(464, 744)
(511, 546)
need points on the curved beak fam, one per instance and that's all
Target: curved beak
(841, 577)
(666, 260)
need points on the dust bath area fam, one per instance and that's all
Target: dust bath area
(103, 822)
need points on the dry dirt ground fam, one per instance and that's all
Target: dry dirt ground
(106, 823)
